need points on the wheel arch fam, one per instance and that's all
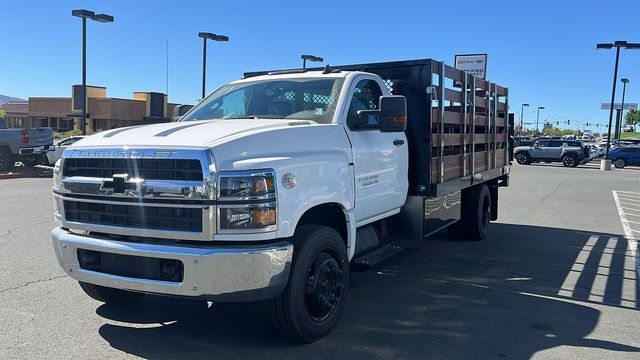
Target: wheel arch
(335, 216)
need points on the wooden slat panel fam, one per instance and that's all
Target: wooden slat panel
(449, 139)
(501, 106)
(500, 158)
(453, 95)
(453, 73)
(481, 84)
(450, 117)
(452, 166)
(481, 161)
(500, 138)
(434, 170)
(499, 121)
(481, 120)
(480, 102)
(501, 91)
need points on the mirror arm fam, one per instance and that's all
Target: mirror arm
(367, 112)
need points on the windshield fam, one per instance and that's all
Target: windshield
(305, 99)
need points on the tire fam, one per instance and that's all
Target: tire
(110, 295)
(476, 212)
(619, 163)
(570, 161)
(7, 162)
(523, 159)
(311, 304)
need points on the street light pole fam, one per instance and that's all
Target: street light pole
(85, 98)
(204, 65)
(606, 162)
(538, 118)
(624, 90)
(86, 14)
(208, 36)
(522, 116)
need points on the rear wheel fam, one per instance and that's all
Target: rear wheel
(476, 212)
(311, 304)
(570, 161)
(6, 160)
(523, 159)
(619, 163)
(109, 295)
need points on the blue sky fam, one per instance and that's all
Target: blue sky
(544, 51)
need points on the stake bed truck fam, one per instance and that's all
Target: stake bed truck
(275, 186)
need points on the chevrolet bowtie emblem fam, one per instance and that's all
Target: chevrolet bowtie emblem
(120, 183)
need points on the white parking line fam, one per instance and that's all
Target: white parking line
(631, 261)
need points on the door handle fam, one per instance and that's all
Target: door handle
(398, 142)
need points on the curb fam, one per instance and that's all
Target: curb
(30, 174)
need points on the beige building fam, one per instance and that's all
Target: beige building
(103, 113)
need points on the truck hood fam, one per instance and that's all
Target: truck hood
(188, 134)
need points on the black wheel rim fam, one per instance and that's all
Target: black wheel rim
(324, 286)
(619, 163)
(486, 211)
(521, 159)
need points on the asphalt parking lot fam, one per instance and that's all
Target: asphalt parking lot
(557, 277)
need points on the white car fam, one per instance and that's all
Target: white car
(56, 154)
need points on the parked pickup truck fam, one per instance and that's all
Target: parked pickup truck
(569, 153)
(28, 146)
(276, 186)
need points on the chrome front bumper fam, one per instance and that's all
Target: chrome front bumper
(222, 273)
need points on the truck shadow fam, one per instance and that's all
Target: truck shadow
(523, 290)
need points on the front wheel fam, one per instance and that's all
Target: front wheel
(619, 163)
(311, 304)
(523, 159)
(34, 160)
(109, 295)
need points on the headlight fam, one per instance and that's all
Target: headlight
(254, 185)
(248, 217)
(247, 201)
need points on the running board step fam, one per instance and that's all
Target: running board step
(371, 258)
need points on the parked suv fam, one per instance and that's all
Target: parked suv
(570, 153)
(628, 155)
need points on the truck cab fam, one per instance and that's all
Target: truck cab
(274, 186)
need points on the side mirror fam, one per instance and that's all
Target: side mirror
(392, 113)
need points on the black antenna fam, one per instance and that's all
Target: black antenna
(327, 69)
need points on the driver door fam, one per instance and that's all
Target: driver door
(380, 159)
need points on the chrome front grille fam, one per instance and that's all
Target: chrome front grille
(134, 216)
(148, 169)
(147, 193)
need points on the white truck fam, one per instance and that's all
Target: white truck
(275, 186)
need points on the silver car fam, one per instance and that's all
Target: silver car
(55, 155)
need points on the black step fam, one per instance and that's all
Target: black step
(371, 258)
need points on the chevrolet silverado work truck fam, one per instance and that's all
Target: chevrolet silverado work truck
(274, 187)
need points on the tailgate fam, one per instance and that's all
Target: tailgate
(40, 136)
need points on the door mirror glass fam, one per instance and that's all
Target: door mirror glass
(391, 114)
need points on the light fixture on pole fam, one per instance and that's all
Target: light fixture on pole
(625, 81)
(606, 162)
(538, 118)
(104, 18)
(310, 58)
(522, 115)
(208, 36)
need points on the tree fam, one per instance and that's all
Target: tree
(632, 117)
(2, 113)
